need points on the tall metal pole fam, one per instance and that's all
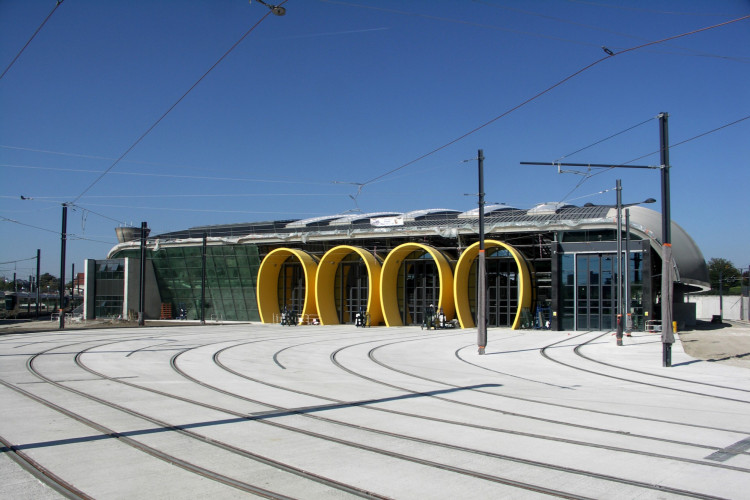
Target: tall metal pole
(667, 334)
(619, 262)
(38, 295)
(203, 280)
(721, 295)
(142, 288)
(481, 265)
(628, 313)
(63, 239)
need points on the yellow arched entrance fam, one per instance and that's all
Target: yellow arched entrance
(389, 278)
(461, 282)
(268, 279)
(324, 284)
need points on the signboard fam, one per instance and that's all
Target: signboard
(387, 221)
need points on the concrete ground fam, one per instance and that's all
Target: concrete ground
(246, 410)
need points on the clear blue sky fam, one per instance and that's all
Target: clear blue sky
(348, 91)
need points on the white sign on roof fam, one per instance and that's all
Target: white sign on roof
(387, 221)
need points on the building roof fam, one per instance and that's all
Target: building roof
(690, 264)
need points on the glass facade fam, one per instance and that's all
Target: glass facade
(231, 274)
(109, 289)
(588, 288)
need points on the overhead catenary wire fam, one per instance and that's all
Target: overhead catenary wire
(59, 2)
(549, 89)
(69, 236)
(685, 141)
(683, 50)
(18, 260)
(605, 139)
(168, 176)
(164, 115)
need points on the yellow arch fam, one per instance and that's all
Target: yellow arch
(389, 277)
(268, 281)
(461, 282)
(326, 275)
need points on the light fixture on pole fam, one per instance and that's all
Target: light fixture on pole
(277, 10)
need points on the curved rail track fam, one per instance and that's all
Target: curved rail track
(319, 411)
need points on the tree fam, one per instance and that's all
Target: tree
(722, 270)
(47, 280)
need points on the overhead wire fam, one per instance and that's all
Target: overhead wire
(167, 176)
(671, 146)
(606, 139)
(690, 51)
(16, 261)
(164, 115)
(145, 174)
(59, 2)
(549, 89)
(637, 9)
(68, 235)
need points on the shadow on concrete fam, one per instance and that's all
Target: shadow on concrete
(258, 416)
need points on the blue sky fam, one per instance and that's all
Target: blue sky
(339, 92)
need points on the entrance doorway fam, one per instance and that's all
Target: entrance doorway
(291, 287)
(595, 292)
(502, 288)
(419, 287)
(352, 286)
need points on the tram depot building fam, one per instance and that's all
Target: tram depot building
(553, 266)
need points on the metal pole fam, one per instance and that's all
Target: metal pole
(619, 262)
(63, 239)
(628, 313)
(203, 281)
(38, 295)
(481, 265)
(667, 334)
(142, 287)
(721, 295)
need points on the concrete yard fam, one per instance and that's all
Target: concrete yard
(246, 410)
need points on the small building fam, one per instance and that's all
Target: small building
(553, 265)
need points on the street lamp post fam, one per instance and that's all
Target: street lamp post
(481, 265)
(628, 313)
(619, 262)
(623, 268)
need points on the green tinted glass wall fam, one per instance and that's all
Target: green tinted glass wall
(231, 274)
(109, 277)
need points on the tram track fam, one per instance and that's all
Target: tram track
(488, 477)
(577, 351)
(170, 459)
(267, 418)
(617, 479)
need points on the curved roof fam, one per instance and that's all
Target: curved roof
(689, 261)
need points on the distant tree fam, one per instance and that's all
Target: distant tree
(47, 280)
(723, 270)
